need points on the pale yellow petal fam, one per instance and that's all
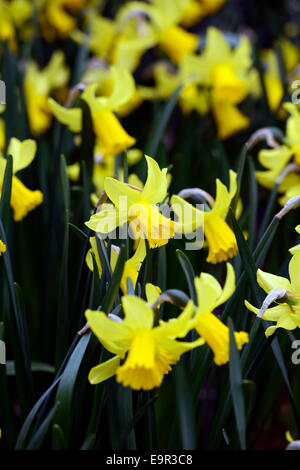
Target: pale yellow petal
(104, 371)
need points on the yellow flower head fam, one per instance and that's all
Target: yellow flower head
(138, 207)
(38, 86)
(148, 351)
(219, 236)
(108, 130)
(226, 73)
(275, 160)
(23, 200)
(209, 296)
(287, 313)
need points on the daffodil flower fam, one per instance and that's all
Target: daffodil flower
(138, 207)
(287, 313)
(276, 160)
(164, 17)
(132, 265)
(23, 200)
(38, 85)
(112, 136)
(210, 328)
(219, 236)
(227, 74)
(143, 352)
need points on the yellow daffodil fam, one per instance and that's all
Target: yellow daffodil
(226, 73)
(138, 207)
(2, 247)
(113, 138)
(209, 296)
(287, 313)
(219, 236)
(38, 85)
(23, 200)
(164, 18)
(276, 160)
(132, 265)
(143, 352)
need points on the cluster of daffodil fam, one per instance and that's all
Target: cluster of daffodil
(132, 56)
(152, 347)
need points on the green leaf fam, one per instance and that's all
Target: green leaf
(114, 284)
(236, 386)
(186, 409)
(37, 439)
(189, 274)
(66, 386)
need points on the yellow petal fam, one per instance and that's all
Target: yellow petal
(269, 281)
(294, 271)
(70, 117)
(229, 119)
(104, 371)
(114, 336)
(120, 193)
(224, 196)
(23, 153)
(155, 188)
(152, 293)
(138, 315)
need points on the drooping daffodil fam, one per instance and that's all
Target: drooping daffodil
(287, 313)
(139, 208)
(23, 200)
(38, 85)
(113, 138)
(213, 331)
(221, 240)
(143, 352)
(277, 159)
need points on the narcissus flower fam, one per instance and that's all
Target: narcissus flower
(209, 296)
(23, 200)
(113, 138)
(38, 85)
(2, 247)
(132, 265)
(287, 313)
(219, 236)
(226, 73)
(138, 207)
(164, 18)
(143, 352)
(277, 159)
